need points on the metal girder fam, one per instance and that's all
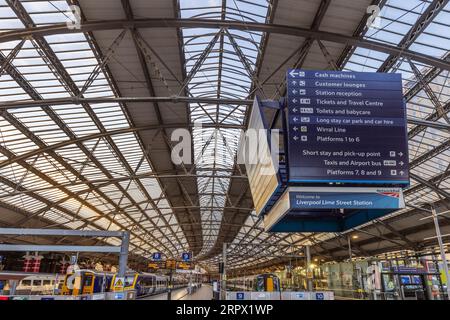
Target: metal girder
(60, 71)
(378, 236)
(331, 63)
(396, 232)
(424, 20)
(432, 117)
(59, 232)
(273, 5)
(47, 202)
(430, 185)
(251, 73)
(58, 248)
(11, 56)
(304, 48)
(429, 154)
(89, 26)
(179, 99)
(153, 99)
(103, 61)
(430, 93)
(105, 182)
(47, 148)
(359, 32)
(433, 180)
(428, 77)
(66, 80)
(201, 59)
(142, 48)
(427, 123)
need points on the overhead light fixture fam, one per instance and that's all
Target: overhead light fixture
(355, 236)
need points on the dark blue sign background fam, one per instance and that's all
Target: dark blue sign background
(346, 127)
(157, 256)
(186, 256)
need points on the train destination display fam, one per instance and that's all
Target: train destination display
(346, 127)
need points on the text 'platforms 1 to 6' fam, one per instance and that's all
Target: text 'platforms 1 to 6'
(346, 127)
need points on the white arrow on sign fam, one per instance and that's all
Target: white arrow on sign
(401, 172)
(294, 83)
(295, 129)
(295, 109)
(400, 154)
(294, 100)
(293, 73)
(294, 91)
(401, 163)
(295, 138)
(295, 119)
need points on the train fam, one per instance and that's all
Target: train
(29, 283)
(90, 282)
(267, 282)
(83, 282)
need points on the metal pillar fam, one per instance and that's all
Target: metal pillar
(13, 287)
(441, 248)
(169, 286)
(308, 268)
(123, 258)
(349, 248)
(223, 284)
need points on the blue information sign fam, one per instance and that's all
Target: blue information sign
(320, 296)
(239, 296)
(157, 256)
(346, 127)
(383, 199)
(186, 256)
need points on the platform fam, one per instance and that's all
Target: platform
(204, 293)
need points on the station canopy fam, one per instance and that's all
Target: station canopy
(88, 111)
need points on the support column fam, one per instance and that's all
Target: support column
(223, 285)
(308, 268)
(169, 289)
(123, 258)
(441, 248)
(349, 248)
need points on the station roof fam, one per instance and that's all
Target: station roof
(73, 155)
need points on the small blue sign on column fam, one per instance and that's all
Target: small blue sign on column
(320, 296)
(186, 256)
(239, 296)
(156, 256)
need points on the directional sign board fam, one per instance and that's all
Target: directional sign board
(156, 265)
(186, 256)
(183, 265)
(157, 256)
(171, 264)
(347, 127)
